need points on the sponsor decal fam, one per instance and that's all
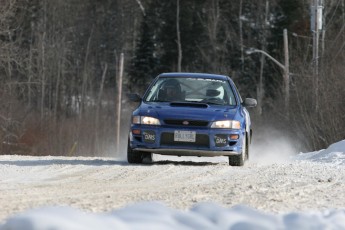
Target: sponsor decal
(149, 136)
(221, 140)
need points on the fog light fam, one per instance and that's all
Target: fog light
(234, 136)
(136, 131)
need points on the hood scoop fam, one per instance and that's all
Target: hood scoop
(188, 104)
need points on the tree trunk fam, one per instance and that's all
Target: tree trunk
(241, 33)
(179, 46)
(99, 98)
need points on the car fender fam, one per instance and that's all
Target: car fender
(247, 120)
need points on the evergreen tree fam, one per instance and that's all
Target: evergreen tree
(156, 49)
(144, 64)
(191, 31)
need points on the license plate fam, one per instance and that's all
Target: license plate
(184, 136)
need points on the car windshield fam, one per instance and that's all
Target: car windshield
(196, 90)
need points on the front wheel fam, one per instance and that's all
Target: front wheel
(238, 160)
(137, 157)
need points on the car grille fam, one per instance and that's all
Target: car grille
(201, 140)
(186, 123)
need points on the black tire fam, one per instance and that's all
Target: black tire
(247, 149)
(238, 160)
(137, 157)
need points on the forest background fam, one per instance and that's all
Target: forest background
(59, 66)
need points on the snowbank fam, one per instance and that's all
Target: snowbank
(334, 154)
(154, 215)
(157, 216)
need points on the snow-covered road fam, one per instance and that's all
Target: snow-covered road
(104, 184)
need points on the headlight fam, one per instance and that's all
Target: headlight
(228, 124)
(145, 120)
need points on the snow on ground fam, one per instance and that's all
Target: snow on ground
(270, 197)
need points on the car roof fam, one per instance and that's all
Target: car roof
(195, 75)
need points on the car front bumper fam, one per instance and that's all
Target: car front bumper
(188, 152)
(208, 142)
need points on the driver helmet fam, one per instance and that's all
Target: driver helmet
(172, 89)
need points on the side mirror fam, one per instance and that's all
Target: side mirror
(249, 102)
(134, 97)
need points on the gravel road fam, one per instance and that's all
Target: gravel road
(104, 184)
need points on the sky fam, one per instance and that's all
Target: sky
(155, 215)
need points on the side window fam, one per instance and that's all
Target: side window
(221, 94)
(228, 91)
(153, 92)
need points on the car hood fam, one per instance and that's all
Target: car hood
(188, 111)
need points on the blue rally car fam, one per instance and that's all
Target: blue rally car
(191, 114)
